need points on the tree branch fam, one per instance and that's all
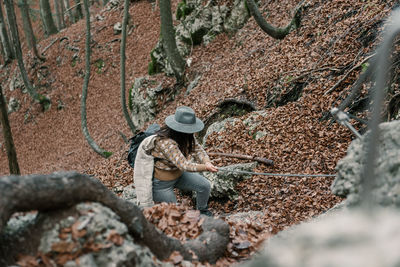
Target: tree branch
(277, 33)
(240, 156)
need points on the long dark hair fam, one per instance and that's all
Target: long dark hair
(185, 141)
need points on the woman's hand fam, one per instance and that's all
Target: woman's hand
(210, 167)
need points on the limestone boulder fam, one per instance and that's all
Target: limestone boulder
(386, 190)
(346, 237)
(223, 182)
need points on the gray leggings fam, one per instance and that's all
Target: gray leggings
(163, 191)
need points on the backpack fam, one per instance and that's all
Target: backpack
(137, 139)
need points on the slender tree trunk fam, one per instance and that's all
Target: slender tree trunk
(47, 17)
(69, 12)
(58, 16)
(168, 39)
(27, 26)
(8, 51)
(8, 139)
(277, 33)
(78, 10)
(15, 37)
(85, 130)
(62, 11)
(123, 43)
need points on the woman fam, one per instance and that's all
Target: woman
(173, 147)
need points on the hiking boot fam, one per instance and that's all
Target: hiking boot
(206, 212)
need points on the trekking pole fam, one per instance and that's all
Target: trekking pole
(240, 156)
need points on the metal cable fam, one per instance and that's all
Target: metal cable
(278, 174)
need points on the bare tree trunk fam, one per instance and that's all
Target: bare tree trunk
(123, 90)
(69, 12)
(85, 130)
(27, 26)
(44, 101)
(277, 33)
(78, 14)
(7, 134)
(8, 51)
(62, 190)
(47, 18)
(62, 11)
(57, 13)
(169, 42)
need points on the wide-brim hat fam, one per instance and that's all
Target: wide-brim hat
(184, 120)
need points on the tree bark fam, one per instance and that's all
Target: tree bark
(240, 156)
(168, 39)
(277, 33)
(47, 18)
(61, 190)
(58, 15)
(7, 134)
(62, 11)
(78, 14)
(69, 12)
(44, 101)
(27, 26)
(123, 90)
(8, 51)
(85, 130)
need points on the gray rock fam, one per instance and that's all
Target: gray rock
(343, 238)
(200, 26)
(17, 82)
(13, 105)
(219, 126)
(144, 95)
(223, 183)
(100, 223)
(386, 190)
(193, 84)
(250, 217)
(129, 193)
(238, 17)
(117, 28)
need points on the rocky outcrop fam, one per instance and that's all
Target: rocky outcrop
(145, 97)
(199, 24)
(251, 123)
(386, 190)
(223, 182)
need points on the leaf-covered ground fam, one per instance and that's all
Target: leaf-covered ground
(334, 37)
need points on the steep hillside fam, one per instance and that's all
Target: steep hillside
(334, 36)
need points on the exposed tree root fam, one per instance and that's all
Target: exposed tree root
(62, 190)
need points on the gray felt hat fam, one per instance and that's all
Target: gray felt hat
(184, 120)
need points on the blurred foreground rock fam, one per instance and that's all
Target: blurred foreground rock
(386, 191)
(88, 234)
(348, 237)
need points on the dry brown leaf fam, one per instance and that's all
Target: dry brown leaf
(27, 261)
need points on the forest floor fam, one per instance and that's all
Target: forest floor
(250, 65)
